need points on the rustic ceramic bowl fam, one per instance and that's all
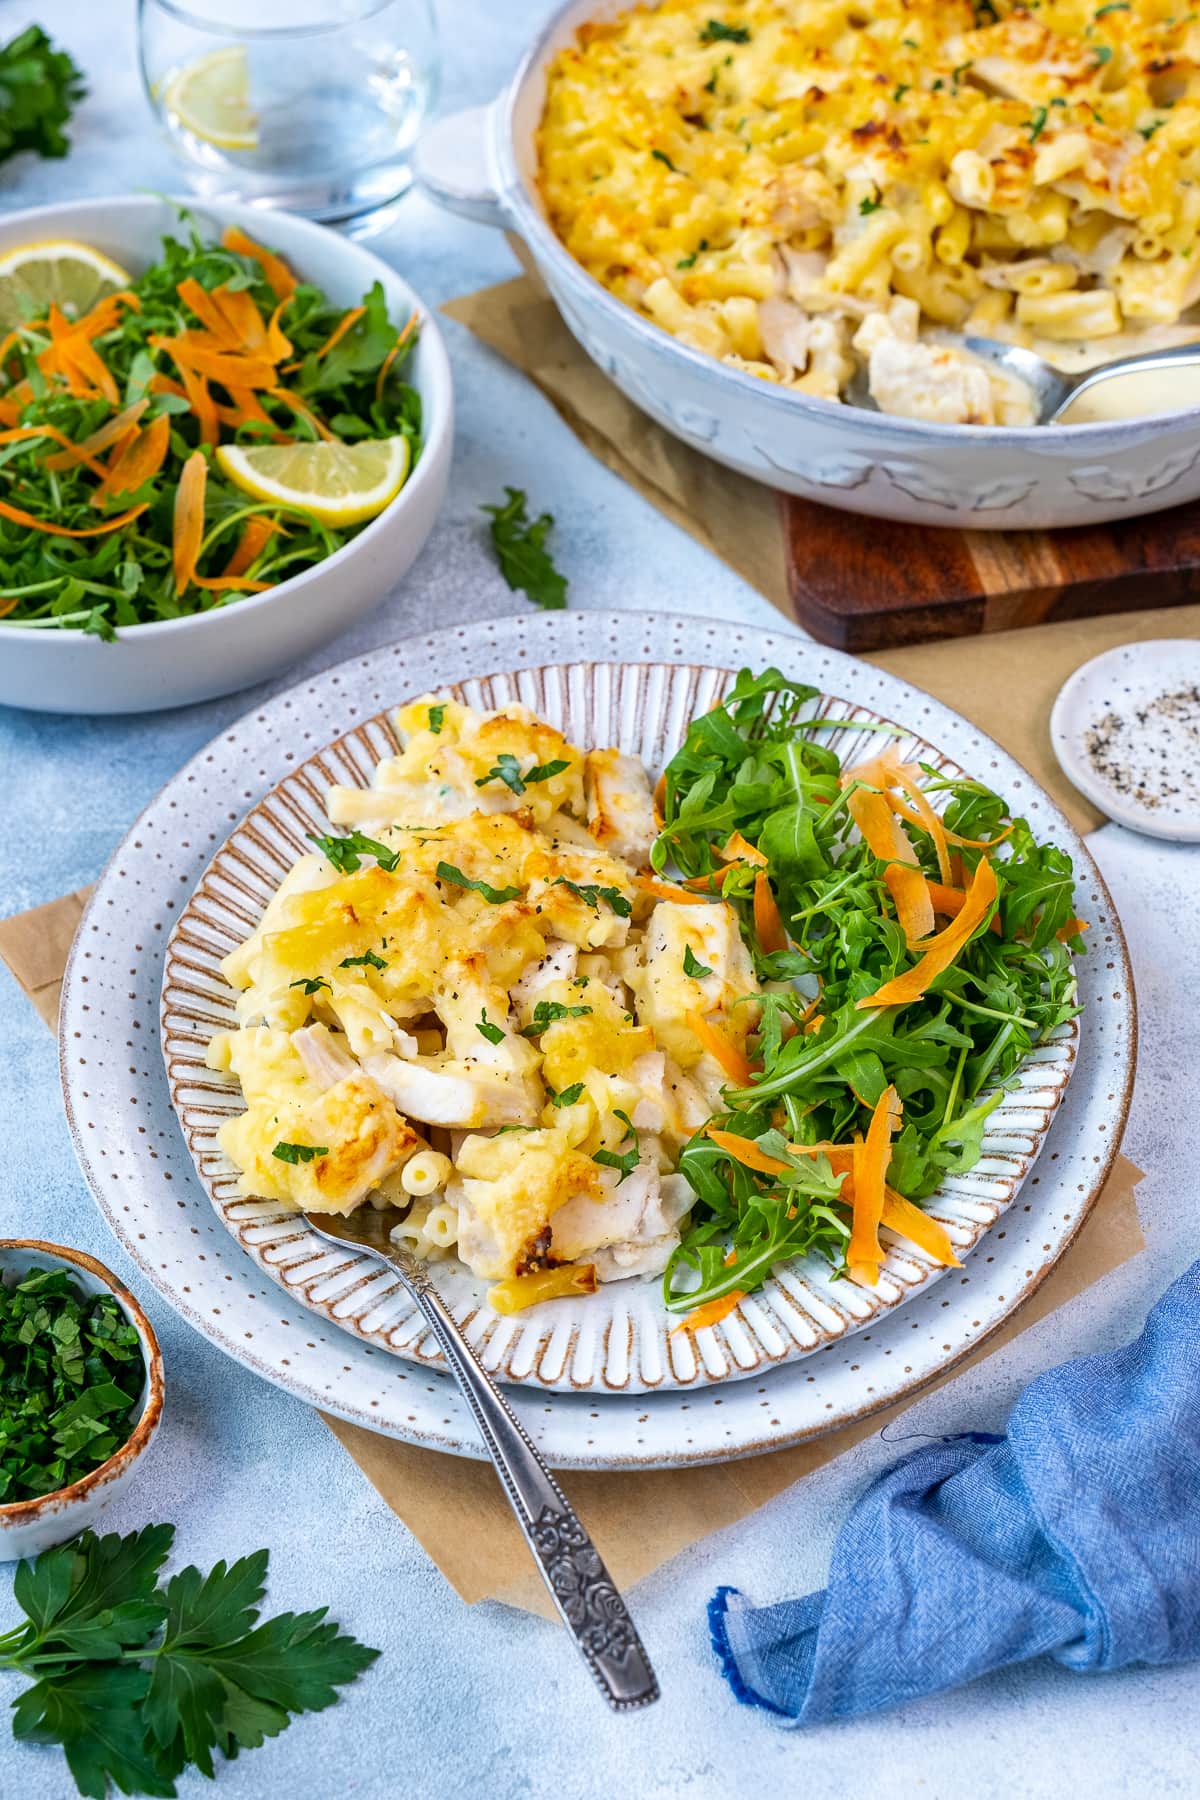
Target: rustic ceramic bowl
(27, 1527)
(621, 1339)
(176, 661)
(483, 164)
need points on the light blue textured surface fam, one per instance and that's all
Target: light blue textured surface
(489, 1700)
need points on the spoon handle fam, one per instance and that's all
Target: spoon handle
(580, 1585)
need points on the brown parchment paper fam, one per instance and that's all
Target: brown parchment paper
(1005, 683)
(640, 1519)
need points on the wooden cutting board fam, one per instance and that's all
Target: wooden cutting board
(867, 584)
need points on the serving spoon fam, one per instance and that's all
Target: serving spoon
(1052, 390)
(580, 1585)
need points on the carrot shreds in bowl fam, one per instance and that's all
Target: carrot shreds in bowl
(188, 530)
(275, 271)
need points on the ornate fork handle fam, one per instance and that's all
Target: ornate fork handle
(583, 1591)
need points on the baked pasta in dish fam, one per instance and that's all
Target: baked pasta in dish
(479, 1011)
(801, 188)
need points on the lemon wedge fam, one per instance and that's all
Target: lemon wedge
(211, 98)
(340, 484)
(72, 276)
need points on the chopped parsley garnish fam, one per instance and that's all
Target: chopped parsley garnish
(626, 1121)
(959, 72)
(627, 1161)
(311, 983)
(985, 13)
(494, 896)
(567, 1096)
(869, 203)
(493, 1033)
(548, 1012)
(1113, 6)
(710, 86)
(692, 966)
(1148, 131)
(368, 960)
(41, 87)
(299, 1153)
(507, 769)
(688, 262)
(591, 895)
(346, 853)
(520, 546)
(72, 1372)
(662, 157)
(910, 43)
(1037, 124)
(900, 90)
(1103, 54)
(717, 33)
(437, 717)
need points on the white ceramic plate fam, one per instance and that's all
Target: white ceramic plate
(1126, 730)
(142, 1176)
(622, 1339)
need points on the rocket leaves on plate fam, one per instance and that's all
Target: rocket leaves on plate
(136, 1680)
(520, 546)
(71, 1376)
(822, 1057)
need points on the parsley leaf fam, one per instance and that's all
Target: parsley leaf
(545, 771)
(506, 769)
(869, 203)
(495, 896)
(717, 33)
(1037, 124)
(567, 1096)
(437, 715)
(592, 895)
(547, 1012)
(299, 1153)
(627, 1161)
(662, 157)
(346, 853)
(520, 546)
(692, 966)
(1103, 54)
(310, 984)
(1113, 6)
(493, 1033)
(39, 87)
(368, 960)
(136, 1682)
(688, 262)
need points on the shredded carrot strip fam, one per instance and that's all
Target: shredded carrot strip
(227, 366)
(814, 1024)
(23, 518)
(276, 273)
(188, 527)
(9, 605)
(243, 321)
(247, 409)
(10, 412)
(660, 789)
(1071, 929)
(391, 356)
(140, 462)
(208, 311)
(743, 1151)
(231, 581)
(951, 900)
(719, 1047)
(941, 951)
(738, 850)
(297, 405)
(103, 316)
(911, 897)
(711, 1313)
(73, 453)
(874, 818)
(106, 434)
(666, 890)
(932, 823)
(710, 884)
(767, 922)
(257, 532)
(841, 1156)
(346, 323)
(199, 398)
(908, 1221)
(952, 837)
(871, 1158)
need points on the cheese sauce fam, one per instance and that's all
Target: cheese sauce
(1136, 396)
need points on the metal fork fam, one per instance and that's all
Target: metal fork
(570, 1565)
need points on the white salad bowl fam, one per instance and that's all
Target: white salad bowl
(177, 661)
(483, 164)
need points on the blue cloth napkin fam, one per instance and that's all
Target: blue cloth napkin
(1076, 1536)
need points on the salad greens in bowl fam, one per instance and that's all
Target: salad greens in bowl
(224, 435)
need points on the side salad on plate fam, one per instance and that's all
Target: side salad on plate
(172, 441)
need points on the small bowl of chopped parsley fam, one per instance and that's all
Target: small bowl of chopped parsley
(81, 1392)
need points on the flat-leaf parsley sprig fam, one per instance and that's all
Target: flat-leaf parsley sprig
(137, 1679)
(836, 878)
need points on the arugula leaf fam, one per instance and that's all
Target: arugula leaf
(520, 546)
(494, 896)
(346, 853)
(39, 88)
(299, 1153)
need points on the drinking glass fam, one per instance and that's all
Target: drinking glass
(310, 105)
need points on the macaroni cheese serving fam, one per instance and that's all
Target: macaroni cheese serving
(802, 188)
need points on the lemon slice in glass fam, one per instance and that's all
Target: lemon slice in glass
(73, 276)
(340, 484)
(211, 98)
